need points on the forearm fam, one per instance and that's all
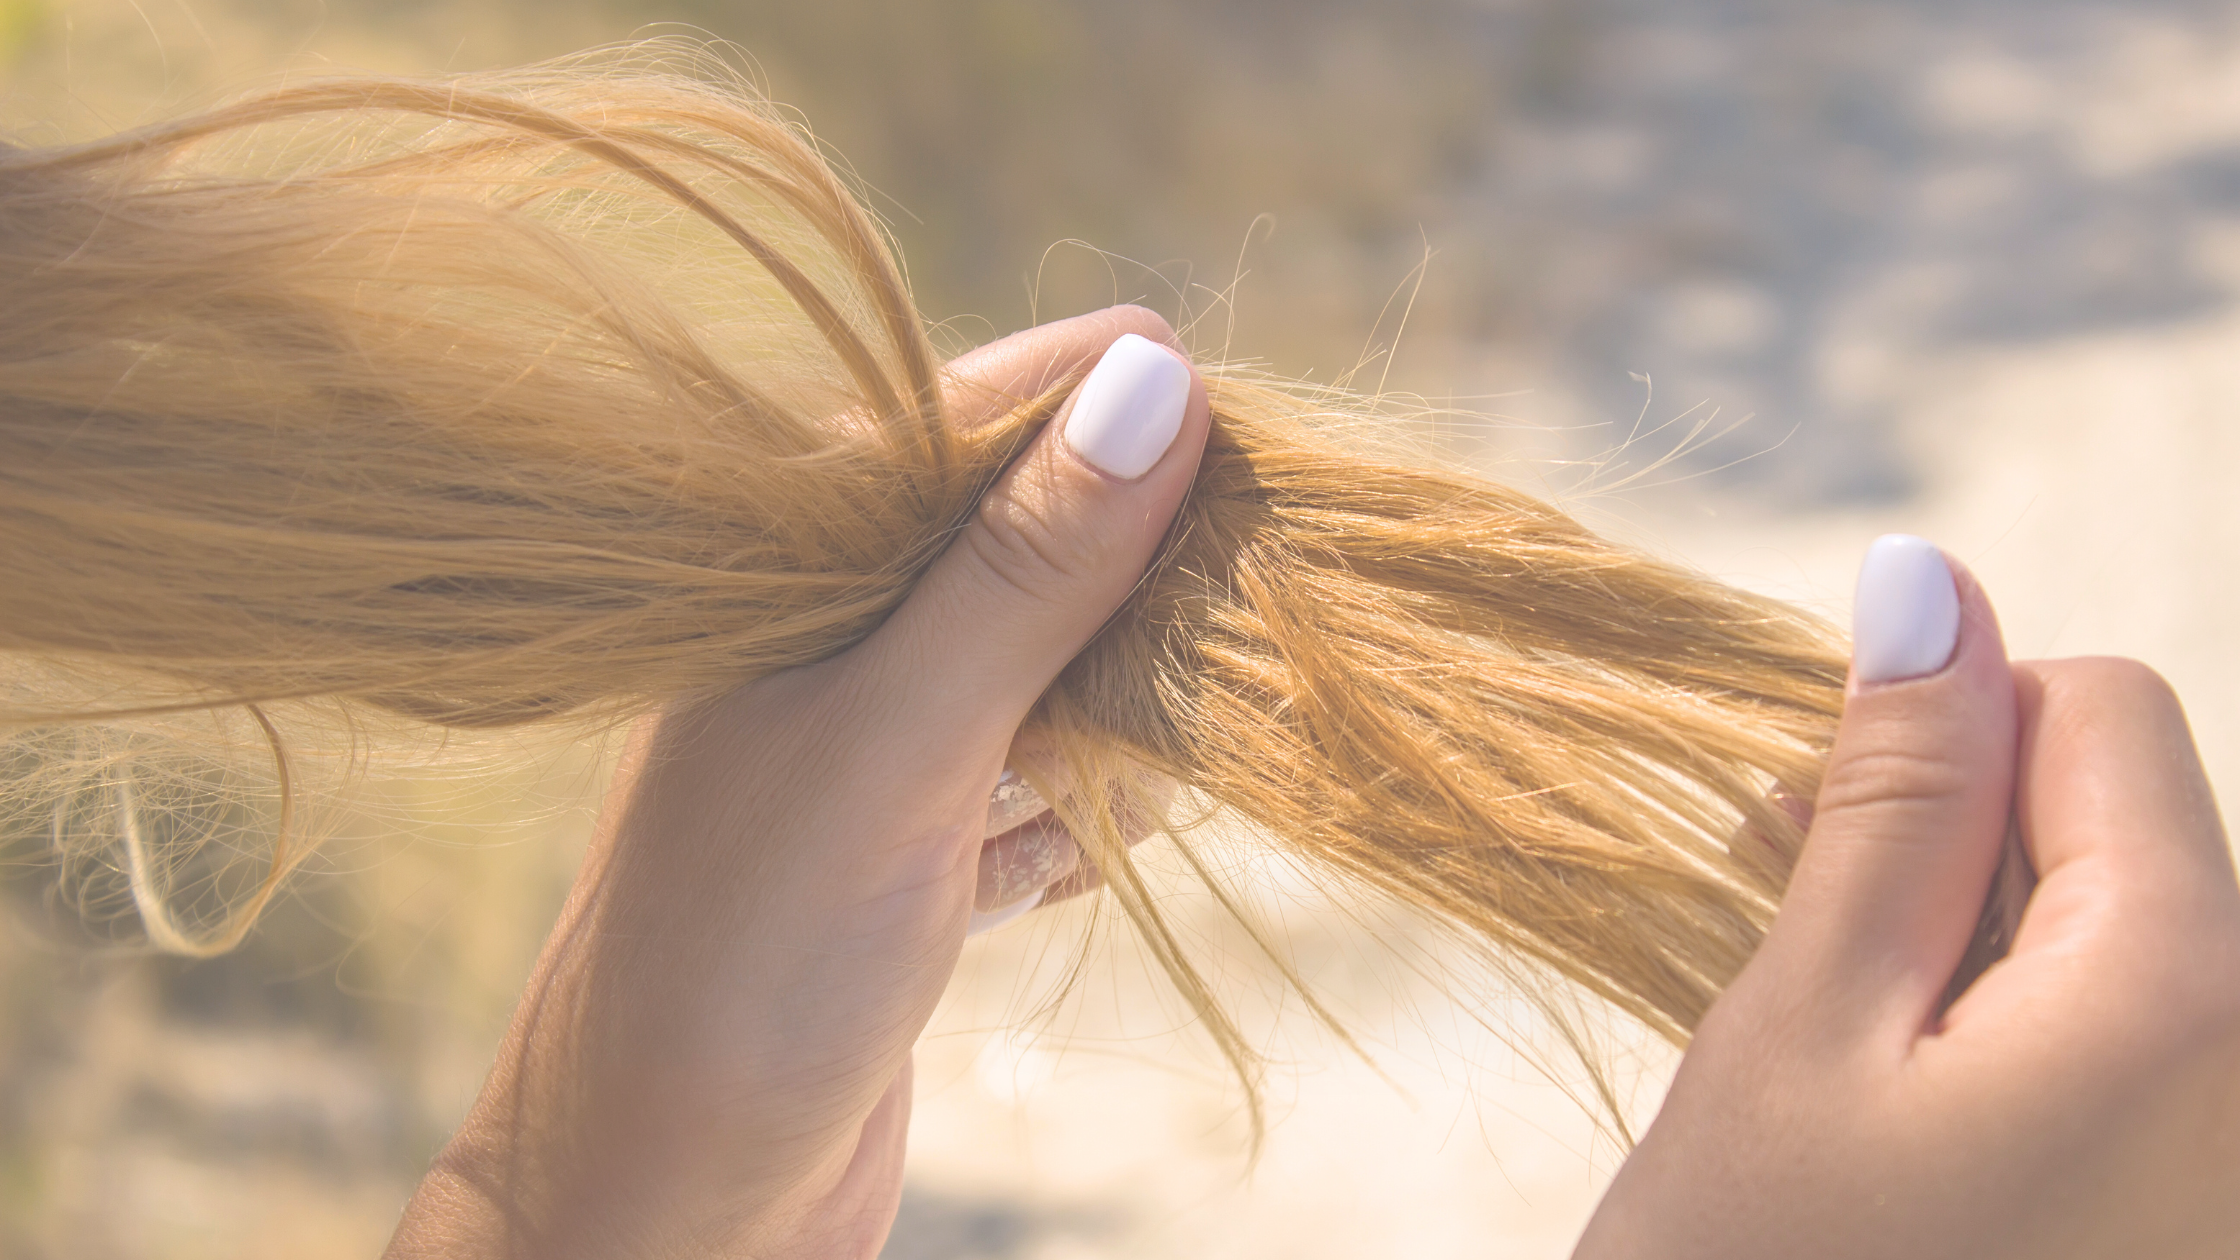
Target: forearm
(649, 1097)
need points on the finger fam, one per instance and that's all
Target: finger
(1054, 548)
(1034, 859)
(2135, 871)
(1765, 856)
(2111, 785)
(1140, 813)
(1912, 810)
(1085, 877)
(1014, 801)
(981, 386)
(1022, 862)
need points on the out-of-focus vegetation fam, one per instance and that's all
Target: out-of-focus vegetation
(1807, 211)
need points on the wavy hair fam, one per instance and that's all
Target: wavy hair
(558, 395)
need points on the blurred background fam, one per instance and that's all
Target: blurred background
(1968, 268)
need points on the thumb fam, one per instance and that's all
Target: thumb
(1054, 547)
(1913, 810)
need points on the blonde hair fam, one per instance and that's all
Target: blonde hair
(558, 395)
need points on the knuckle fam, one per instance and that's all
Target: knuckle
(1144, 322)
(1018, 545)
(1880, 777)
(2153, 694)
(2110, 699)
(2119, 677)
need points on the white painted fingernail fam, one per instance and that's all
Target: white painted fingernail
(1905, 620)
(1129, 409)
(989, 921)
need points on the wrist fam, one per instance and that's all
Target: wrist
(528, 1174)
(489, 1201)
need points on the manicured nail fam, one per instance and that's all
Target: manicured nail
(990, 920)
(1022, 864)
(1012, 803)
(1129, 409)
(1906, 618)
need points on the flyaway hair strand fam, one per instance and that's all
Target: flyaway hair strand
(560, 395)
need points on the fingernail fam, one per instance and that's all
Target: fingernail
(1129, 409)
(990, 920)
(1905, 620)
(1022, 864)
(1012, 803)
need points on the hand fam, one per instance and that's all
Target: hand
(2083, 1097)
(713, 1056)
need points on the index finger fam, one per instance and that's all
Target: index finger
(983, 385)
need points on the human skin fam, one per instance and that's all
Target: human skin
(712, 1058)
(713, 1054)
(2081, 1099)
